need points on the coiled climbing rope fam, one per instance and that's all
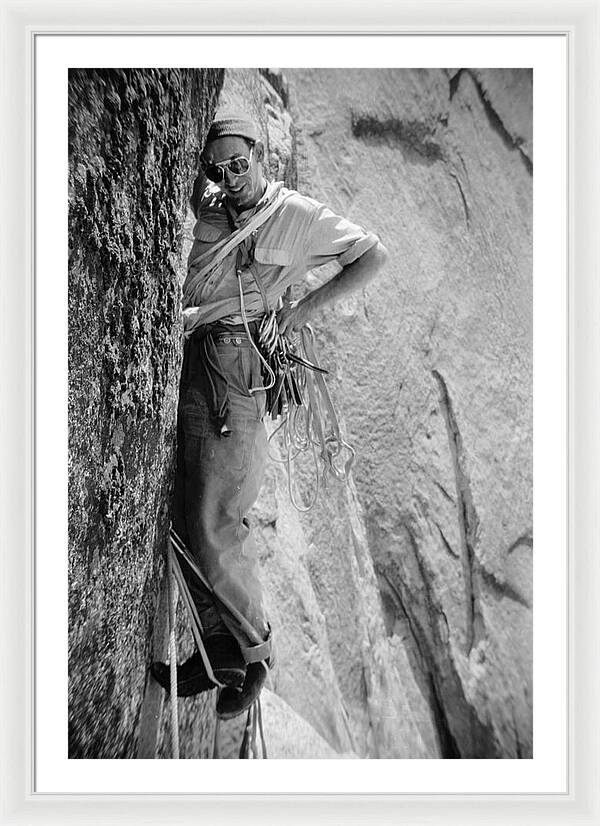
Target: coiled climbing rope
(296, 391)
(309, 423)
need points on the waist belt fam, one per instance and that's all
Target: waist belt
(231, 338)
(218, 328)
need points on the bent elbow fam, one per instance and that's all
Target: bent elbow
(381, 255)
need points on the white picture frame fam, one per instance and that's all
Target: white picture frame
(21, 22)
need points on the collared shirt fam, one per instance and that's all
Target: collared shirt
(301, 235)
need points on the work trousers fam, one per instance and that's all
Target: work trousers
(218, 478)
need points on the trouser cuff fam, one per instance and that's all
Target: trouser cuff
(257, 653)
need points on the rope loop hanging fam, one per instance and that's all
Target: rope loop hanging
(254, 727)
(309, 423)
(296, 391)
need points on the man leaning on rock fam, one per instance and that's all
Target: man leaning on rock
(253, 239)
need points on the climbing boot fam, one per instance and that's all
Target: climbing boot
(233, 701)
(225, 658)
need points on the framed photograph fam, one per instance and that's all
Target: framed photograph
(429, 666)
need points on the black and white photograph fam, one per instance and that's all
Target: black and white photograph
(299, 367)
(298, 361)
(300, 413)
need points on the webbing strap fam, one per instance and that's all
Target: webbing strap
(254, 653)
(194, 620)
(257, 653)
(222, 248)
(181, 549)
(219, 251)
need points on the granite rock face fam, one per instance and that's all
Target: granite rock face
(134, 140)
(434, 374)
(402, 602)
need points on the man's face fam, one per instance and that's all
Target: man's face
(243, 191)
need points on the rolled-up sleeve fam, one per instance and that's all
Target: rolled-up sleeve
(329, 237)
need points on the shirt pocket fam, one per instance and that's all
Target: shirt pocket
(273, 256)
(207, 233)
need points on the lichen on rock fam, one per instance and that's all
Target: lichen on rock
(134, 139)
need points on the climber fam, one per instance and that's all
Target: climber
(253, 238)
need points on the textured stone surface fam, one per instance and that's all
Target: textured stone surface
(287, 734)
(134, 138)
(434, 368)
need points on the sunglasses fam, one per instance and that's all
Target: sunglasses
(215, 172)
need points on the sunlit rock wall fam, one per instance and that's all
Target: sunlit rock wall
(433, 370)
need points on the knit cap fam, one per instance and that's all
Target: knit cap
(231, 122)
